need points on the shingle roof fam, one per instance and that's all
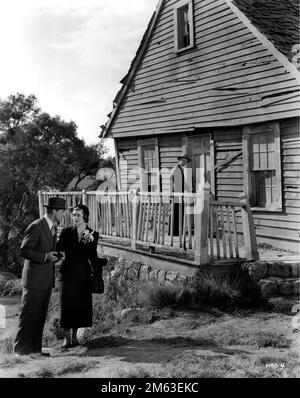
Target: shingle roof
(278, 20)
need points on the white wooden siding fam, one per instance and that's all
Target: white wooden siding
(225, 80)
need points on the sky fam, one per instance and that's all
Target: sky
(71, 54)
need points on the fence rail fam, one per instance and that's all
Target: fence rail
(207, 229)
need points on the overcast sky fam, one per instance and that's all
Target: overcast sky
(71, 54)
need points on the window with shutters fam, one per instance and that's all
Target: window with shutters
(184, 25)
(262, 166)
(149, 165)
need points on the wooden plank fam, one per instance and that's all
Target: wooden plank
(154, 221)
(211, 231)
(147, 218)
(277, 233)
(236, 242)
(223, 232)
(229, 232)
(202, 89)
(172, 220)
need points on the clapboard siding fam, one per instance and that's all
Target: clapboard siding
(187, 90)
(128, 162)
(229, 178)
(229, 181)
(169, 149)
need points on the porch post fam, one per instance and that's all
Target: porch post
(135, 217)
(41, 207)
(84, 197)
(202, 223)
(251, 252)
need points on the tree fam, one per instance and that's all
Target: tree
(37, 151)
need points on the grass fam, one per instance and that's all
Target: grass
(7, 345)
(220, 291)
(9, 288)
(191, 365)
(71, 367)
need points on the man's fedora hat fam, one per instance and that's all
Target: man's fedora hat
(184, 155)
(56, 203)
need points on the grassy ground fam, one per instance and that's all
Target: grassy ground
(173, 344)
(162, 340)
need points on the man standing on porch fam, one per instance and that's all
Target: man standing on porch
(179, 184)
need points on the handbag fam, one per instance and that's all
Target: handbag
(97, 283)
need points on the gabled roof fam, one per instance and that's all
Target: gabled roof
(277, 23)
(278, 20)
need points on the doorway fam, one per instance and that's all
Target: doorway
(201, 160)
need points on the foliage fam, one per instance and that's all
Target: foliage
(37, 151)
(226, 291)
(222, 291)
(11, 288)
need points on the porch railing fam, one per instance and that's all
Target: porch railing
(192, 223)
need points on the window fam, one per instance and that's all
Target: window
(184, 25)
(262, 166)
(149, 165)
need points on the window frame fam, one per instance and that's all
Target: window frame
(181, 4)
(140, 144)
(248, 174)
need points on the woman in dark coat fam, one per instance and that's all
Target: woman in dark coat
(79, 243)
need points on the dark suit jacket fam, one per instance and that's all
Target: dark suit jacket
(37, 241)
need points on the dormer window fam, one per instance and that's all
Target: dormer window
(184, 25)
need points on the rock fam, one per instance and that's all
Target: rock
(169, 283)
(296, 287)
(144, 272)
(83, 334)
(286, 288)
(280, 269)
(171, 276)
(134, 315)
(282, 304)
(181, 280)
(267, 287)
(257, 270)
(161, 276)
(276, 279)
(295, 269)
(153, 275)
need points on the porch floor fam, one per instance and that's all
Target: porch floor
(109, 245)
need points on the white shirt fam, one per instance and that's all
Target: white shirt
(50, 224)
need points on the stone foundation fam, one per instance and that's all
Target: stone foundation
(275, 278)
(125, 269)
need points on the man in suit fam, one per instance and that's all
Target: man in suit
(37, 248)
(179, 185)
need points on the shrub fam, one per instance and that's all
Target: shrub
(225, 290)
(11, 287)
(161, 296)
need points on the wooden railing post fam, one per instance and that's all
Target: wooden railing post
(135, 217)
(251, 252)
(202, 223)
(41, 207)
(84, 197)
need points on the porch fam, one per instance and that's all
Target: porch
(185, 230)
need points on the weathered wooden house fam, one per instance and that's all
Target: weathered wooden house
(219, 80)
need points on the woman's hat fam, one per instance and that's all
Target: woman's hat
(184, 155)
(56, 203)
